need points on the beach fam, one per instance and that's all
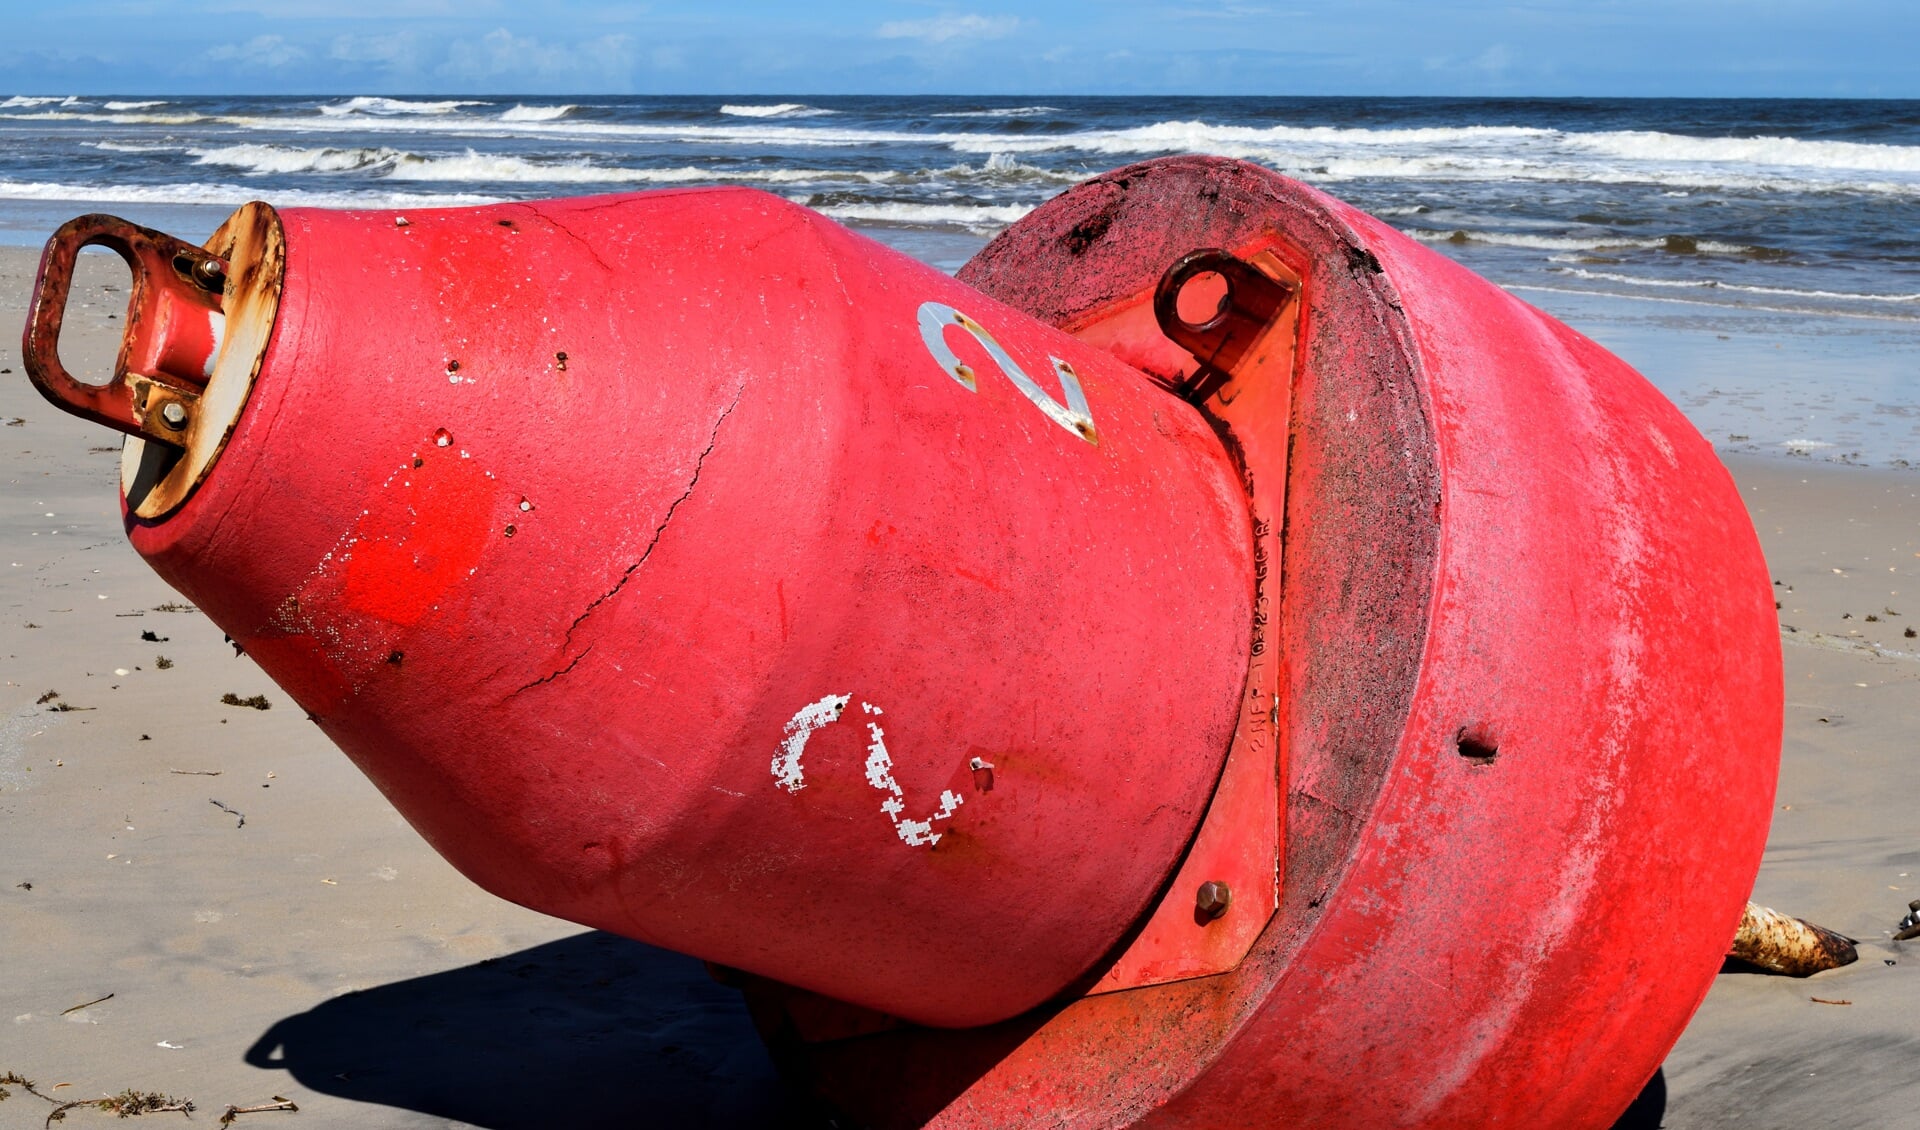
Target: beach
(209, 901)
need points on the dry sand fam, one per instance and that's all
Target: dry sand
(324, 953)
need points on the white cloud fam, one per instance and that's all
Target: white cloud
(501, 53)
(940, 29)
(400, 50)
(356, 9)
(1224, 11)
(263, 51)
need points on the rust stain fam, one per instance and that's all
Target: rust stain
(252, 246)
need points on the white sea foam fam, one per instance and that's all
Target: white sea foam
(1863, 313)
(1680, 245)
(571, 129)
(264, 159)
(1502, 153)
(128, 119)
(1201, 137)
(28, 100)
(1002, 112)
(778, 110)
(366, 104)
(1766, 152)
(232, 194)
(486, 168)
(999, 169)
(1740, 288)
(128, 147)
(1521, 144)
(524, 113)
(147, 105)
(974, 217)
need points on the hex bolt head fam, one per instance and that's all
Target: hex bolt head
(1213, 899)
(173, 414)
(210, 273)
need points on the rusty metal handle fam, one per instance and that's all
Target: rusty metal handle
(135, 403)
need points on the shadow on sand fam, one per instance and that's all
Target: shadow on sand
(588, 1031)
(1647, 1111)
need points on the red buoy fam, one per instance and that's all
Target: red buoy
(1214, 663)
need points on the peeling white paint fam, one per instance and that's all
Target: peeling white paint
(880, 776)
(787, 772)
(786, 767)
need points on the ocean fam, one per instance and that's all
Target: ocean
(1658, 226)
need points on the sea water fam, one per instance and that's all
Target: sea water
(1758, 259)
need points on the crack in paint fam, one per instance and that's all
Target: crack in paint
(593, 251)
(713, 440)
(545, 679)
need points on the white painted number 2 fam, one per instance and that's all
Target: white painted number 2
(788, 774)
(935, 317)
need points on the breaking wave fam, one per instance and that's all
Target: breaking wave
(1765, 152)
(232, 194)
(366, 104)
(1002, 112)
(180, 119)
(265, 159)
(1741, 288)
(525, 113)
(1676, 244)
(778, 110)
(477, 168)
(973, 217)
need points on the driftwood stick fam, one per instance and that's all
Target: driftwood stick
(1783, 944)
(234, 1112)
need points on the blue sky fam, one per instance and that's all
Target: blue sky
(1814, 48)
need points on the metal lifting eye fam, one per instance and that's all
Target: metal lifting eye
(174, 325)
(1247, 306)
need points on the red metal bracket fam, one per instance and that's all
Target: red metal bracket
(1228, 886)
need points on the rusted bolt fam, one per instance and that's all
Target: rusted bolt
(1213, 899)
(982, 773)
(173, 414)
(210, 274)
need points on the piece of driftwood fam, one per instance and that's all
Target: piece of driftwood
(1784, 944)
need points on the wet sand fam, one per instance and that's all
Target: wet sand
(322, 952)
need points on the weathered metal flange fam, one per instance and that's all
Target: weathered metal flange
(156, 478)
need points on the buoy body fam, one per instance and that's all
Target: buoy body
(1056, 706)
(1532, 692)
(685, 565)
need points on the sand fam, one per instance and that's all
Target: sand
(322, 952)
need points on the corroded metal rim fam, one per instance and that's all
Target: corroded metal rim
(158, 478)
